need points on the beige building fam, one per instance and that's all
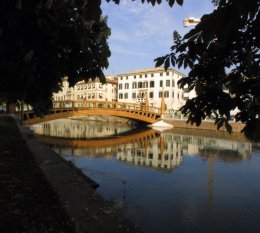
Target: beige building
(149, 85)
(139, 86)
(91, 90)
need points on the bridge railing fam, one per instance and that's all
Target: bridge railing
(77, 104)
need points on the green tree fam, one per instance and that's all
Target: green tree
(222, 52)
(41, 41)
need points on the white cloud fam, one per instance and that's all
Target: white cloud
(119, 35)
(122, 50)
(144, 31)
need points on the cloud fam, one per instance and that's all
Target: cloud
(123, 50)
(144, 32)
(119, 35)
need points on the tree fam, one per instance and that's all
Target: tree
(222, 52)
(41, 41)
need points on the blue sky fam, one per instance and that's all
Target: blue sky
(141, 32)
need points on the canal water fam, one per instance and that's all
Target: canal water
(165, 182)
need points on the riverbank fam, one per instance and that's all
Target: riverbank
(205, 125)
(41, 192)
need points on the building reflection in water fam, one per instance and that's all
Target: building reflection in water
(143, 148)
(179, 191)
(91, 127)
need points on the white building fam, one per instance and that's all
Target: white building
(149, 85)
(93, 89)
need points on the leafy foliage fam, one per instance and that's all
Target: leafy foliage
(222, 52)
(153, 2)
(41, 41)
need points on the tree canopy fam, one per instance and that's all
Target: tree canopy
(222, 52)
(41, 41)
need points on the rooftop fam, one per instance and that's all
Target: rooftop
(150, 70)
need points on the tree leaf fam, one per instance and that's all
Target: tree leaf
(159, 61)
(180, 2)
(171, 2)
(167, 63)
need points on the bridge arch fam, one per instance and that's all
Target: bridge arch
(79, 108)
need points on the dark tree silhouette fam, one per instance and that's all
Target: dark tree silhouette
(41, 41)
(222, 52)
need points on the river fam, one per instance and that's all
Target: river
(165, 182)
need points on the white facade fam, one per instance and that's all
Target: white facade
(149, 85)
(88, 91)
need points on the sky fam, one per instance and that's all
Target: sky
(140, 32)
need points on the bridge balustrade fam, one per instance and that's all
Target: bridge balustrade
(70, 108)
(105, 104)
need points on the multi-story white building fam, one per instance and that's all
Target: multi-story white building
(93, 89)
(139, 86)
(149, 85)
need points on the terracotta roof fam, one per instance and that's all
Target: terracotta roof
(149, 70)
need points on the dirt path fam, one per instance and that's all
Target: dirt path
(27, 203)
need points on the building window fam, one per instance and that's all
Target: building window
(100, 85)
(126, 85)
(134, 76)
(121, 78)
(145, 84)
(173, 94)
(120, 96)
(145, 75)
(173, 83)
(166, 94)
(126, 77)
(126, 95)
(134, 85)
(140, 76)
(151, 83)
(151, 75)
(161, 74)
(139, 84)
(167, 83)
(160, 94)
(133, 95)
(167, 73)
(120, 86)
(151, 94)
(161, 83)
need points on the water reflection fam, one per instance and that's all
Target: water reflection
(83, 127)
(145, 148)
(172, 182)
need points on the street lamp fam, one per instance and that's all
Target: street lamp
(190, 21)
